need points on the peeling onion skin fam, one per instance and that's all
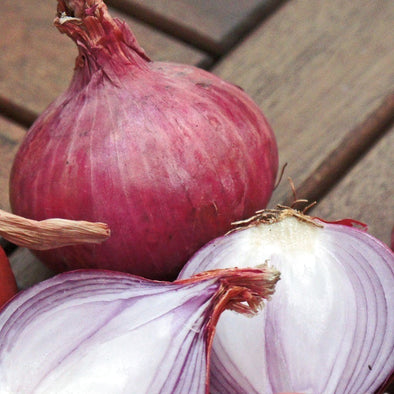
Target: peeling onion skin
(168, 155)
(96, 331)
(329, 328)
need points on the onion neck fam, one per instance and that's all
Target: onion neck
(104, 43)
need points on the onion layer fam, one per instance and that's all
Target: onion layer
(168, 155)
(93, 331)
(329, 327)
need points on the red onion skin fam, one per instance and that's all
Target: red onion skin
(167, 155)
(8, 286)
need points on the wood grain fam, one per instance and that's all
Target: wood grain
(11, 136)
(28, 270)
(37, 62)
(366, 192)
(352, 146)
(317, 69)
(212, 26)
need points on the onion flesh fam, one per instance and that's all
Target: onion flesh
(329, 327)
(96, 331)
(168, 155)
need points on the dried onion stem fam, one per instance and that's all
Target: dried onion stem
(50, 233)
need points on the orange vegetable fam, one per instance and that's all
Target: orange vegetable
(7, 280)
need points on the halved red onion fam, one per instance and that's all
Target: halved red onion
(329, 327)
(93, 331)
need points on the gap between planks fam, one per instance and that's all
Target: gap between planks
(351, 149)
(16, 112)
(193, 37)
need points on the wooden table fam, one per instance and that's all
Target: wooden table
(323, 73)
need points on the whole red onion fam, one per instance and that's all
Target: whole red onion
(167, 155)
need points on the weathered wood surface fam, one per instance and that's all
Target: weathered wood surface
(317, 69)
(366, 192)
(213, 26)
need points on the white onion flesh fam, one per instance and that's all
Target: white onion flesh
(329, 328)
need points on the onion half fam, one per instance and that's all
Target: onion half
(92, 331)
(168, 155)
(329, 327)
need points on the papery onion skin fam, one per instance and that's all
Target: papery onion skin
(168, 155)
(329, 328)
(92, 331)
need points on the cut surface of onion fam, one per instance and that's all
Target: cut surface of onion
(329, 328)
(92, 331)
(168, 155)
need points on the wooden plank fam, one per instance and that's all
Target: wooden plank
(352, 146)
(28, 270)
(366, 192)
(11, 136)
(317, 69)
(213, 26)
(37, 62)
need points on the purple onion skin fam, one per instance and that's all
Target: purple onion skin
(167, 155)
